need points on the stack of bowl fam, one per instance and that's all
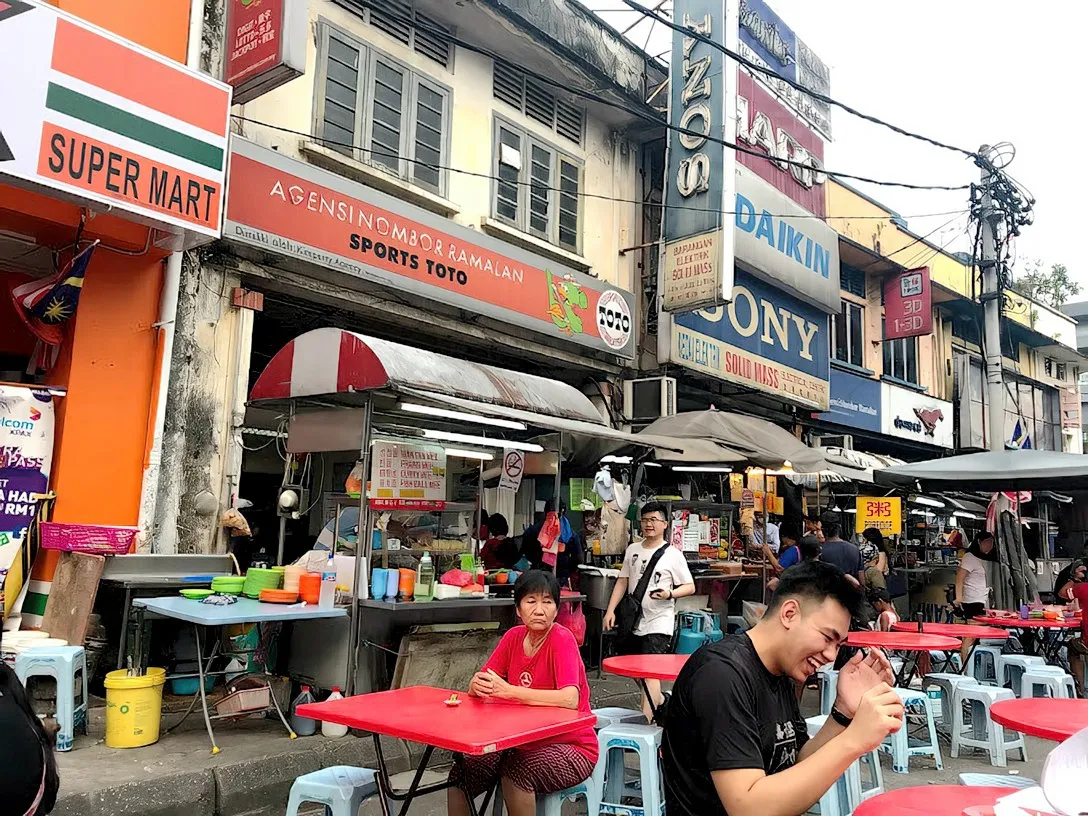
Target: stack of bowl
(228, 584)
(258, 579)
(291, 576)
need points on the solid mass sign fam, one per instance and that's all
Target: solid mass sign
(513, 468)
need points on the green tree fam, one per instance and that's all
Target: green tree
(1051, 286)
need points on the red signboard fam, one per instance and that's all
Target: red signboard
(261, 43)
(769, 127)
(908, 305)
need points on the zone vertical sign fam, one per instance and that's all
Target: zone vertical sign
(699, 173)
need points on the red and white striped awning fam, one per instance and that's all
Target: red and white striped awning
(324, 363)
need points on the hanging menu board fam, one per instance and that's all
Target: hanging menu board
(407, 477)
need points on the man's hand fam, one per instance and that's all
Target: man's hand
(860, 675)
(609, 620)
(500, 688)
(879, 714)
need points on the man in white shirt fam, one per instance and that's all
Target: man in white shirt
(671, 579)
(770, 543)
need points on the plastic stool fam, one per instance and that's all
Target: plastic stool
(342, 789)
(940, 657)
(984, 663)
(611, 716)
(67, 665)
(836, 801)
(980, 780)
(859, 790)
(644, 740)
(829, 688)
(981, 731)
(899, 744)
(551, 804)
(945, 683)
(1011, 668)
(1047, 681)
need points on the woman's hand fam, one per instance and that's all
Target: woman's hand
(500, 688)
(481, 685)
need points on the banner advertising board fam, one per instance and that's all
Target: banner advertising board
(764, 339)
(266, 45)
(697, 269)
(885, 513)
(916, 417)
(855, 401)
(908, 304)
(283, 206)
(94, 116)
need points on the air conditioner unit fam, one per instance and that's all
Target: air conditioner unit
(844, 441)
(649, 398)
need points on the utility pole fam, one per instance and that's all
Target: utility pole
(992, 299)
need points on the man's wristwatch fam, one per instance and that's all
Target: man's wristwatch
(840, 718)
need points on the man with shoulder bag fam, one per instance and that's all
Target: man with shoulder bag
(644, 612)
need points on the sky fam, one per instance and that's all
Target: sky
(965, 72)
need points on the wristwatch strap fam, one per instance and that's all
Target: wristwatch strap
(840, 718)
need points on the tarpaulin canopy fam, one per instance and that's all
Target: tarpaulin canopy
(992, 471)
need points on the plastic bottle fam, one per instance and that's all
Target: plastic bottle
(327, 598)
(303, 726)
(425, 578)
(329, 729)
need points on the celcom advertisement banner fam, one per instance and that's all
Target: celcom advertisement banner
(26, 457)
(697, 265)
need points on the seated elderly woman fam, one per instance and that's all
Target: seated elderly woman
(537, 664)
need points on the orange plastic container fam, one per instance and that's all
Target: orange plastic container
(407, 584)
(309, 587)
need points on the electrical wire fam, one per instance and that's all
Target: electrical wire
(905, 247)
(580, 194)
(646, 116)
(747, 63)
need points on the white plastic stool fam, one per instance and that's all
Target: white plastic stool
(945, 684)
(1047, 681)
(1011, 668)
(859, 788)
(342, 789)
(67, 665)
(644, 740)
(836, 801)
(981, 780)
(899, 744)
(829, 688)
(611, 716)
(984, 662)
(980, 731)
(941, 658)
(551, 804)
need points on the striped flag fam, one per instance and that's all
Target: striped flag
(47, 305)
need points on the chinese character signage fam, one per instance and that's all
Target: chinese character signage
(404, 476)
(885, 513)
(908, 305)
(699, 174)
(266, 45)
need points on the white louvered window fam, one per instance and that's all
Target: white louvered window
(400, 20)
(537, 188)
(381, 112)
(538, 101)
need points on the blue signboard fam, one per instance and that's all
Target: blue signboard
(764, 32)
(855, 401)
(764, 339)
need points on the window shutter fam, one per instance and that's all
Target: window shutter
(509, 85)
(569, 203)
(568, 121)
(540, 178)
(429, 40)
(342, 64)
(393, 17)
(510, 160)
(539, 104)
(388, 110)
(430, 112)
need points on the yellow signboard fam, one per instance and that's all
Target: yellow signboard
(885, 513)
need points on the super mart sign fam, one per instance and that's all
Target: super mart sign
(88, 114)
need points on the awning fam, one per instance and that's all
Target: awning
(331, 365)
(992, 471)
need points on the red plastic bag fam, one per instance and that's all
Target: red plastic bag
(572, 617)
(456, 577)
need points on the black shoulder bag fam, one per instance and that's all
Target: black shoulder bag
(629, 609)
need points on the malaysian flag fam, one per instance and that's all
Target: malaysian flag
(46, 305)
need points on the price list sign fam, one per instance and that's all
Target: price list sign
(411, 474)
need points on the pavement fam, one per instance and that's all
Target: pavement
(178, 776)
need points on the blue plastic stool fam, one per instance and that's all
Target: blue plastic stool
(613, 715)
(983, 780)
(835, 802)
(900, 745)
(985, 661)
(342, 789)
(551, 804)
(1047, 681)
(68, 666)
(829, 688)
(644, 740)
(1011, 670)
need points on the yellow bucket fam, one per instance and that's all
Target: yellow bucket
(133, 708)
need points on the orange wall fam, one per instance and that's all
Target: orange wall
(162, 26)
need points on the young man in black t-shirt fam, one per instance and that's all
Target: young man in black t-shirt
(733, 720)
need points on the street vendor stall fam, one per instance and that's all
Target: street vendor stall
(407, 415)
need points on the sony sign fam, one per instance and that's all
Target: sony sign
(697, 267)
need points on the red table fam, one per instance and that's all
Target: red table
(1050, 650)
(903, 642)
(419, 714)
(930, 800)
(1047, 717)
(646, 667)
(956, 630)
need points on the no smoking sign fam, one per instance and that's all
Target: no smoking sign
(513, 468)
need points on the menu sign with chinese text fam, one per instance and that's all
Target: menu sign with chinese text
(410, 475)
(885, 513)
(908, 305)
(266, 45)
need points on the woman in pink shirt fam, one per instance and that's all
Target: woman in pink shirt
(536, 663)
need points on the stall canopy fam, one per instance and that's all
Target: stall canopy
(328, 367)
(991, 471)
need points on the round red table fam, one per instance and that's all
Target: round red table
(646, 667)
(906, 642)
(1018, 623)
(956, 630)
(1048, 717)
(930, 800)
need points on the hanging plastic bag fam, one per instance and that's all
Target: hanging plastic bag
(353, 484)
(572, 617)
